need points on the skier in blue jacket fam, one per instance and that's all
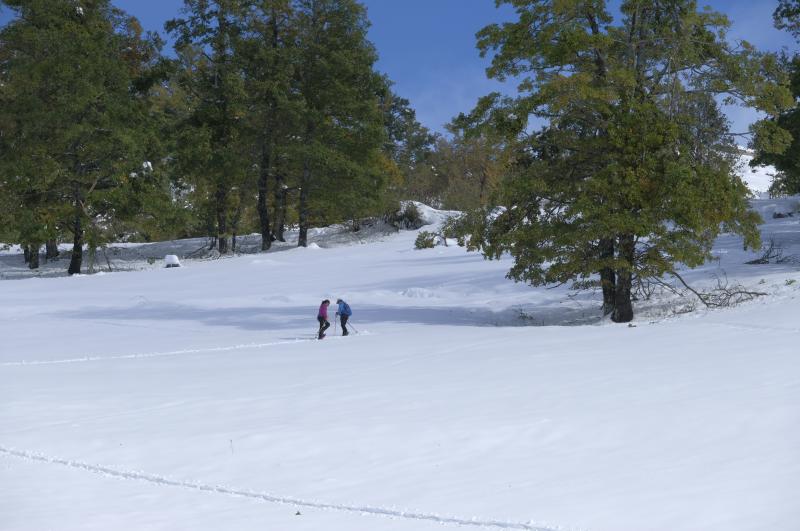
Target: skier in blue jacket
(344, 312)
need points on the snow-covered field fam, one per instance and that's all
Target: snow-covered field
(195, 398)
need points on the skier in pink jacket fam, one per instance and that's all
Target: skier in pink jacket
(322, 317)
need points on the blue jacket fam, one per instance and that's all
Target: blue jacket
(344, 309)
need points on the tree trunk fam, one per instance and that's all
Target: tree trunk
(302, 240)
(623, 305)
(92, 257)
(263, 210)
(26, 253)
(484, 179)
(77, 245)
(33, 252)
(222, 220)
(267, 148)
(281, 194)
(607, 277)
(237, 218)
(51, 249)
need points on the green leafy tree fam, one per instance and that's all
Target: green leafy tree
(74, 115)
(627, 177)
(269, 50)
(408, 146)
(468, 168)
(787, 16)
(342, 125)
(212, 148)
(777, 138)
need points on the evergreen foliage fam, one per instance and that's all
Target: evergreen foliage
(74, 121)
(409, 148)
(777, 139)
(283, 99)
(612, 162)
(271, 113)
(341, 124)
(468, 169)
(425, 240)
(621, 163)
(212, 147)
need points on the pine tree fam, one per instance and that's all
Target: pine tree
(212, 146)
(625, 179)
(28, 176)
(342, 124)
(74, 117)
(777, 138)
(270, 55)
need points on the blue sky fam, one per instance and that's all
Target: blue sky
(428, 46)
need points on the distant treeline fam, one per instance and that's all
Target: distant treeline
(611, 166)
(269, 113)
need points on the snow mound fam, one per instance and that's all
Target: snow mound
(430, 215)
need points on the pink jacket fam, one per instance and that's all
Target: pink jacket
(323, 311)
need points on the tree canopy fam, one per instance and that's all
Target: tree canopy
(622, 165)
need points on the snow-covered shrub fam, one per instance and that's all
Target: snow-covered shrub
(408, 217)
(457, 227)
(425, 240)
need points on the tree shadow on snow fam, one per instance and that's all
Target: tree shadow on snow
(256, 318)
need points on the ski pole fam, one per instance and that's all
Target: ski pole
(351, 326)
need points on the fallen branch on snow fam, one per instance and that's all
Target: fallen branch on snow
(723, 295)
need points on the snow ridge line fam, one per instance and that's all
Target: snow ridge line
(152, 354)
(284, 500)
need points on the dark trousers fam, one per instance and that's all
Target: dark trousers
(344, 324)
(323, 325)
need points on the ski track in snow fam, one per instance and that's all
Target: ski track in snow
(284, 500)
(760, 328)
(154, 354)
